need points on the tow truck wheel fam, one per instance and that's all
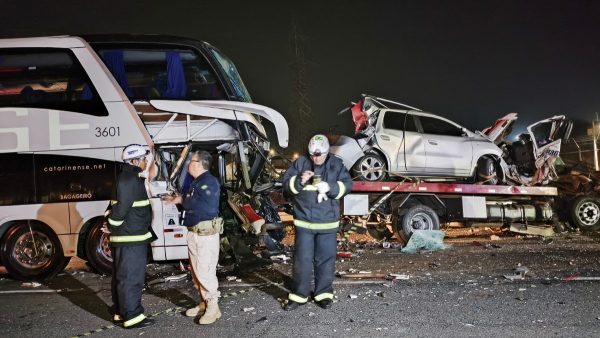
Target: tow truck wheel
(417, 217)
(32, 251)
(97, 249)
(585, 212)
(370, 167)
(486, 171)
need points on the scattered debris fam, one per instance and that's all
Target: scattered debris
(248, 309)
(425, 240)
(281, 257)
(352, 296)
(548, 241)
(310, 314)
(399, 276)
(519, 273)
(386, 245)
(494, 238)
(363, 275)
(31, 285)
(570, 278)
(231, 278)
(380, 294)
(261, 319)
(345, 254)
(176, 278)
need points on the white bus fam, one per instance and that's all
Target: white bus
(68, 106)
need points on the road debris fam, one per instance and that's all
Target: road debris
(363, 275)
(397, 276)
(352, 296)
(519, 273)
(494, 238)
(31, 285)
(248, 309)
(176, 278)
(345, 254)
(571, 278)
(231, 278)
(281, 257)
(429, 240)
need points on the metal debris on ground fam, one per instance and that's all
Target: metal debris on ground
(352, 296)
(248, 309)
(519, 273)
(344, 254)
(571, 278)
(399, 276)
(429, 240)
(31, 285)
(231, 278)
(363, 274)
(281, 257)
(176, 278)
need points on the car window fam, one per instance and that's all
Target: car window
(435, 126)
(46, 78)
(399, 121)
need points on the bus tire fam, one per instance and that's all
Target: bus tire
(417, 217)
(97, 249)
(31, 251)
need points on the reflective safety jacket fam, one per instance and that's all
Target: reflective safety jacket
(131, 215)
(308, 213)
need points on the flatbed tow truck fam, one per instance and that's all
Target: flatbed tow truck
(411, 206)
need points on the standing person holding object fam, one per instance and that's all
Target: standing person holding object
(317, 183)
(201, 204)
(130, 230)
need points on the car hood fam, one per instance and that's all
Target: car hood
(500, 128)
(229, 110)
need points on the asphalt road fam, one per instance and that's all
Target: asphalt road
(458, 292)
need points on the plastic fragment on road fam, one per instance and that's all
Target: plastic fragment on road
(520, 272)
(31, 285)
(352, 296)
(399, 276)
(248, 309)
(429, 240)
(344, 254)
(571, 278)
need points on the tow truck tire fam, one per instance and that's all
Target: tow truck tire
(97, 249)
(585, 212)
(32, 254)
(370, 167)
(487, 171)
(417, 217)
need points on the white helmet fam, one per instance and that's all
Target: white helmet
(318, 145)
(134, 151)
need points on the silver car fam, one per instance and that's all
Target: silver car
(393, 139)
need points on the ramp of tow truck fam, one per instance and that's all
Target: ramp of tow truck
(451, 188)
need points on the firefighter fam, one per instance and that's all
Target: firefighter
(317, 183)
(130, 233)
(201, 204)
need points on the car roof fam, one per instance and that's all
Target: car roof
(421, 113)
(144, 38)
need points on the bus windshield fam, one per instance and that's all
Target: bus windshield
(234, 77)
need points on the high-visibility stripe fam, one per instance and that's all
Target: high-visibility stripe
(310, 187)
(134, 320)
(297, 298)
(115, 223)
(130, 238)
(316, 226)
(342, 190)
(141, 203)
(204, 187)
(292, 185)
(113, 202)
(322, 296)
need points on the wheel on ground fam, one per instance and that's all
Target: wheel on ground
(32, 251)
(585, 212)
(97, 249)
(417, 217)
(487, 171)
(370, 167)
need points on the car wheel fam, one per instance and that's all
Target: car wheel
(370, 167)
(97, 249)
(417, 217)
(32, 251)
(585, 212)
(487, 171)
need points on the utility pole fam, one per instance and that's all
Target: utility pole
(301, 112)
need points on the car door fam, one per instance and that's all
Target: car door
(447, 148)
(401, 142)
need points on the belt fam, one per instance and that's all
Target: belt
(208, 228)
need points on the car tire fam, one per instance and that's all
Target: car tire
(487, 171)
(370, 167)
(31, 251)
(585, 212)
(417, 217)
(97, 249)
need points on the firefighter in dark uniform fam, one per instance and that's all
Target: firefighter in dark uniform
(130, 233)
(317, 183)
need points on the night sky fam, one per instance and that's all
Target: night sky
(470, 61)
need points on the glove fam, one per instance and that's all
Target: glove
(321, 197)
(322, 187)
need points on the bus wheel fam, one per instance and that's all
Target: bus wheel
(97, 249)
(32, 251)
(417, 217)
(585, 212)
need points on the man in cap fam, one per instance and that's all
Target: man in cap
(317, 183)
(130, 229)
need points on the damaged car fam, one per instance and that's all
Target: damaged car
(393, 140)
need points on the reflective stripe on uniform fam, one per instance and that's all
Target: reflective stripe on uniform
(113, 222)
(134, 320)
(322, 296)
(310, 187)
(113, 202)
(292, 185)
(141, 203)
(342, 190)
(130, 238)
(316, 226)
(297, 299)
